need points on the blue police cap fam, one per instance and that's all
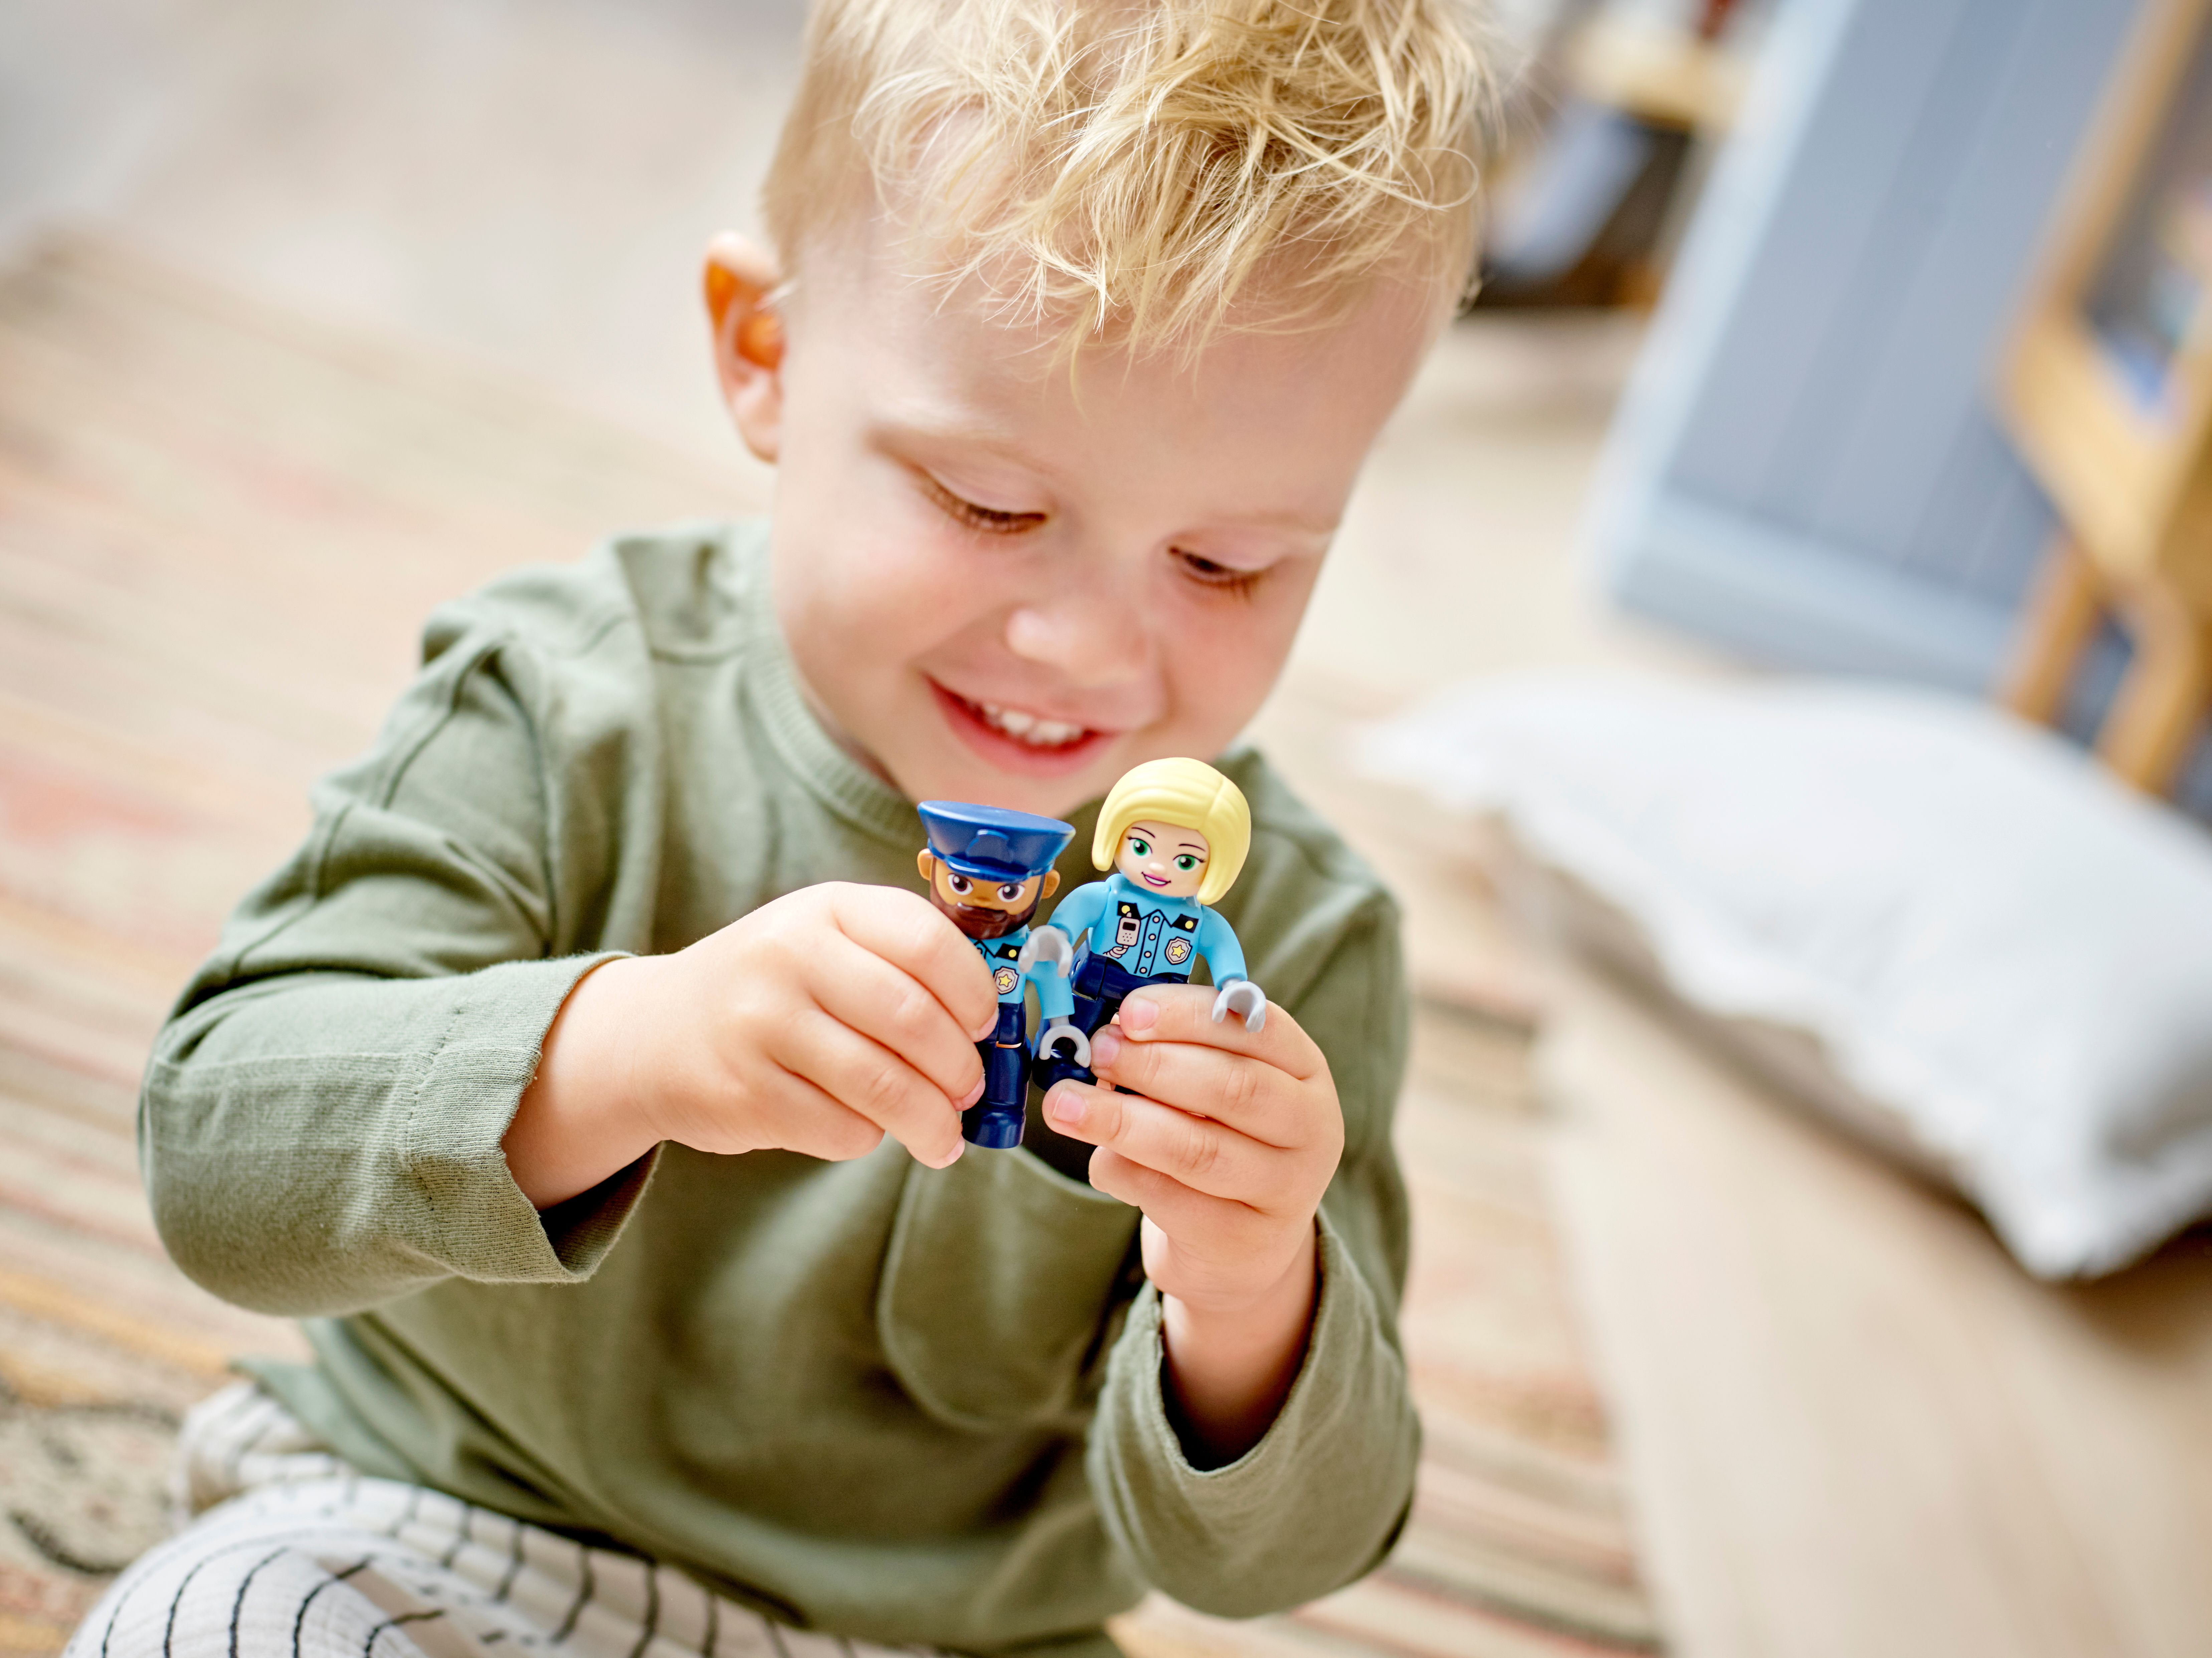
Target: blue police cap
(990, 843)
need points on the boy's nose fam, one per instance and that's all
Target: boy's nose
(1090, 633)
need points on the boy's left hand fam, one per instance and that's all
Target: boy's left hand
(1226, 1141)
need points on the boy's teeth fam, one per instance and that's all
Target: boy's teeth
(1028, 727)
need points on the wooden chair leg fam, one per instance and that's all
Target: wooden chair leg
(2161, 702)
(2062, 616)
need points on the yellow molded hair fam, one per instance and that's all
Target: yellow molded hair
(1187, 794)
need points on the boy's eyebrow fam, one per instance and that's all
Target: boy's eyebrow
(953, 429)
(1289, 518)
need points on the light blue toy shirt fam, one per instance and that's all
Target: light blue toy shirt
(1056, 998)
(1147, 934)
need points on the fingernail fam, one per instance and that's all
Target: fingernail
(972, 1095)
(1064, 1105)
(959, 1150)
(1140, 1013)
(1105, 1046)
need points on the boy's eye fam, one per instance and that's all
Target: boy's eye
(1186, 861)
(990, 520)
(1207, 573)
(1142, 847)
(961, 885)
(1008, 893)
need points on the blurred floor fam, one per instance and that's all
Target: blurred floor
(526, 183)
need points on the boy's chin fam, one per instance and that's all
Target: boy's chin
(1051, 794)
(1019, 790)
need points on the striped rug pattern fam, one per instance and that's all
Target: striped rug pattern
(220, 530)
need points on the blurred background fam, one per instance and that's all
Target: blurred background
(1768, 654)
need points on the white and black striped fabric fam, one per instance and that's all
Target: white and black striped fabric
(295, 1555)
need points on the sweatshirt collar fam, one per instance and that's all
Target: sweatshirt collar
(820, 762)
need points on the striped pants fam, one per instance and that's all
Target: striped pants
(296, 1555)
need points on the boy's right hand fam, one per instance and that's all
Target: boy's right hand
(818, 1022)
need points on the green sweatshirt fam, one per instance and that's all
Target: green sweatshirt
(869, 1397)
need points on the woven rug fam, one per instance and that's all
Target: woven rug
(220, 530)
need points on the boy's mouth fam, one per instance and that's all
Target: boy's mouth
(1020, 740)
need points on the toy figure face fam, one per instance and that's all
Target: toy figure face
(1003, 583)
(1164, 859)
(984, 909)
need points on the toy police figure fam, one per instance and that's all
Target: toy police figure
(988, 869)
(1175, 833)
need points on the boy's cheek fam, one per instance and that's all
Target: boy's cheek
(1228, 660)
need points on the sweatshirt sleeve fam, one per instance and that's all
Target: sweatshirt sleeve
(321, 1122)
(1322, 1496)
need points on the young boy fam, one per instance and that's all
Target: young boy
(590, 1080)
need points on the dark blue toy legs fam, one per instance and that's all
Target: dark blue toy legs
(995, 1121)
(1101, 986)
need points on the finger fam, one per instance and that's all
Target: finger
(865, 1078)
(1184, 1013)
(867, 993)
(907, 931)
(778, 1109)
(1173, 1207)
(809, 1121)
(1206, 1156)
(1249, 1095)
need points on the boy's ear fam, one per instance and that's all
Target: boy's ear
(739, 278)
(926, 861)
(1051, 885)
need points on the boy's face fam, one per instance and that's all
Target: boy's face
(1003, 581)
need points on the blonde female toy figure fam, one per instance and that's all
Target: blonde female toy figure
(1175, 833)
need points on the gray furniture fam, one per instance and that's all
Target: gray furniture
(1806, 468)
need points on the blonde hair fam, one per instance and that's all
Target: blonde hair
(1126, 167)
(1187, 794)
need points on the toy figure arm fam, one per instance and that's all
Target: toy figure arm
(1063, 1039)
(1217, 942)
(1224, 959)
(1048, 959)
(1077, 914)
(1055, 995)
(1048, 948)
(1245, 999)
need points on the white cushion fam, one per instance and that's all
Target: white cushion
(1997, 946)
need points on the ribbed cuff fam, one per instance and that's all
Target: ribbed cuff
(450, 1155)
(1309, 1507)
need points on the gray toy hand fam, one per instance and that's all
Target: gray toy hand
(1242, 996)
(1061, 1030)
(1048, 943)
